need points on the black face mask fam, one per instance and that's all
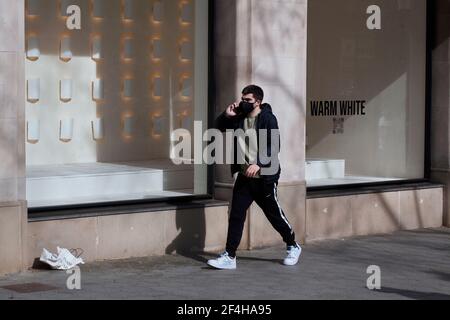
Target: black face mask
(245, 108)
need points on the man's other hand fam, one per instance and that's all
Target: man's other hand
(252, 171)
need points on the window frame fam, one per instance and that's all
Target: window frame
(345, 188)
(162, 201)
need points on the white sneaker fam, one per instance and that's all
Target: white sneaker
(293, 254)
(224, 261)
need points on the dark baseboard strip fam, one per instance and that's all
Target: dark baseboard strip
(355, 190)
(88, 212)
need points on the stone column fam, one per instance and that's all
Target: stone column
(13, 213)
(232, 73)
(263, 42)
(440, 123)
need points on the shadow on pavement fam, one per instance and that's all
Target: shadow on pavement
(417, 295)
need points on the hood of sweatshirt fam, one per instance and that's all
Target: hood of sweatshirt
(265, 107)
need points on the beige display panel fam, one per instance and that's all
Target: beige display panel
(103, 99)
(366, 91)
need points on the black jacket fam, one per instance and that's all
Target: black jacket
(266, 120)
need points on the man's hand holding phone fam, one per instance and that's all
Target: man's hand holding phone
(231, 111)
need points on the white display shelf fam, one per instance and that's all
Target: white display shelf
(324, 169)
(349, 180)
(91, 182)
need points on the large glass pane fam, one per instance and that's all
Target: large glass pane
(108, 81)
(366, 91)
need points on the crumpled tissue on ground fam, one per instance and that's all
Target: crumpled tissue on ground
(63, 260)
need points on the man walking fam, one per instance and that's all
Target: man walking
(253, 182)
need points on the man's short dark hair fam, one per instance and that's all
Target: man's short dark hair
(257, 92)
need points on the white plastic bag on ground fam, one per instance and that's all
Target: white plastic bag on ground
(63, 260)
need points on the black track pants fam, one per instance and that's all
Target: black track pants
(246, 190)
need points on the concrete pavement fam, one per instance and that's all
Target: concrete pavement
(413, 264)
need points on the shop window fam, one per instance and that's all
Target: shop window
(104, 96)
(366, 91)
